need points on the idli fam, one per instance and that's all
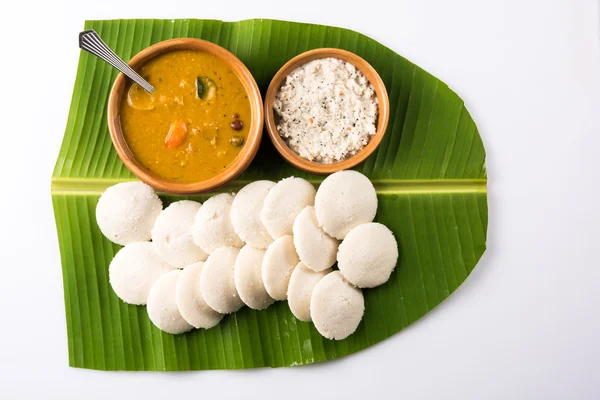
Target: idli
(217, 282)
(284, 202)
(278, 264)
(302, 283)
(126, 212)
(162, 306)
(344, 200)
(189, 299)
(248, 278)
(316, 249)
(212, 227)
(133, 271)
(172, 234)
(245, 214)
(368, 255)
(336, 307)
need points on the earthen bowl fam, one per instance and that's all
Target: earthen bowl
(244, 158)
(382, 120)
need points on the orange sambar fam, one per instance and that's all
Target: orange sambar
(194, 124)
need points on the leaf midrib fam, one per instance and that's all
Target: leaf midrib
(96, 186)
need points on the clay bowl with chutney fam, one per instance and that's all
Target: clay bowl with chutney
(202, 126)
(271, 118)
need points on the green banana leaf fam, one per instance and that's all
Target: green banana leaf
(429, 173)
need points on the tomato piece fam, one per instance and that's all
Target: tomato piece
(177, 134)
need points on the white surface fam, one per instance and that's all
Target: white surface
(525, 325)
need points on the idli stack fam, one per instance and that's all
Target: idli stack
(248, 278)
(278, 263)
(368, 255)
(190, 302)
(336, 306)
(133, 271)
(245, 214)
(316, 249)
(212, 226)
(345, 200)
(126, 212)
(302, 283)
(271, 241)
(217, 281)
(162, 305)
(283, 203)
(172, 234)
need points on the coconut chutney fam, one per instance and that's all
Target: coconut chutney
(327, 110)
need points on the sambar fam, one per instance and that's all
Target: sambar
(193, 126)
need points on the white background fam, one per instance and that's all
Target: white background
(526, 323)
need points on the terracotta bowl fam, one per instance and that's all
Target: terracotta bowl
(370, 74)
(246, 155)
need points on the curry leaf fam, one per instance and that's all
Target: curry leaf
(205, 88)
(199, 88)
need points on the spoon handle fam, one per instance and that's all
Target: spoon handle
(92, 43)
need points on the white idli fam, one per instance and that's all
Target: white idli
(212, 227)
(162, 306)
(344, 200)
(283, 203)
(278, 263)
(172, 234)
(248, 278)
(336, 307)
(217, 282)
(126, 212)
(245, 214)
(133, 271)
(316, 249)
(189, 299)
(302, 283)
(368, 255)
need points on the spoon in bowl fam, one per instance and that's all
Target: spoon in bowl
(93, 44)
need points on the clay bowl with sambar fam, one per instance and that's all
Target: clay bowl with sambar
(199, 129)
(271, 119)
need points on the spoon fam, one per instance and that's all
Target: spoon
(92, 43)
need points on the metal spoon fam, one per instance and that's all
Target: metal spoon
(91, 42)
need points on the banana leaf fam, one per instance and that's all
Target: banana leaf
(429, 173)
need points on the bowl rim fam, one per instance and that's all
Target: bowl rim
(243, 159)
(382, 121)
